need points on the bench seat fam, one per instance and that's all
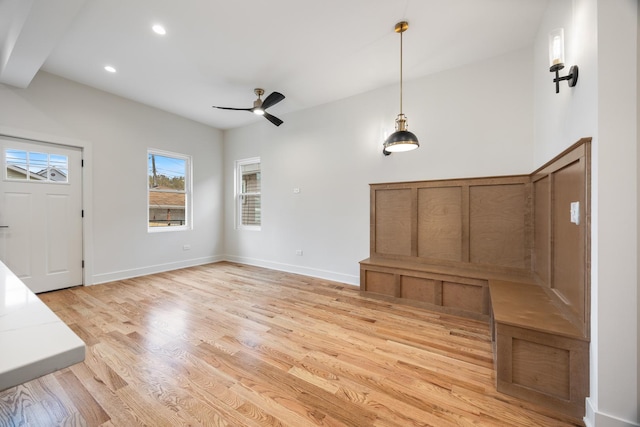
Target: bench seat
(541, 354)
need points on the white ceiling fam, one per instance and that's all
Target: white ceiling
(217, 52)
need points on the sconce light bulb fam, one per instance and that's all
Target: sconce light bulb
(557, 50)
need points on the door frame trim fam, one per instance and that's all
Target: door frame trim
(87, 186)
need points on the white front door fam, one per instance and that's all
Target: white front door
(41, 213)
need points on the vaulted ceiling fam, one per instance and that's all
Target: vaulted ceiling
(217, 52)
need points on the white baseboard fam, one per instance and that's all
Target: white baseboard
(305, 271)
(152, 269)
(159, 268)
(594, 418)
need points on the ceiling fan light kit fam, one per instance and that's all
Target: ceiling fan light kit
(401, 139)
(260, 106)
(257, 104)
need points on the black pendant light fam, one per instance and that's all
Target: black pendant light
(401, 139)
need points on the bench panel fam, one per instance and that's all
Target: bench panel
(540, 367)
(421, 289)
(381, 283)
(440, 224)
(465, 297)
(547, 369)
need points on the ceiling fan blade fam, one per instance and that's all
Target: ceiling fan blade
(273, 119)
(272, 99)
(232, 108)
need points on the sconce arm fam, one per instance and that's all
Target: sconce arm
(572, 77)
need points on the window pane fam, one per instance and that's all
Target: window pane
(167, 200)
(251, 210)
(166, 209)
(167, 172)
(251, 178)
(247, 191)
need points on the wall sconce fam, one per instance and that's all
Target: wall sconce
(556, 59)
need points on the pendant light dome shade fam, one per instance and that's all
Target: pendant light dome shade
(401, 139)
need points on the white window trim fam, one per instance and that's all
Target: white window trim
(188, 192)
(238, 192)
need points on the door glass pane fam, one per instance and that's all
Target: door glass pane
(38, 164)
(58, 168)
(34, 166)
(16, 161)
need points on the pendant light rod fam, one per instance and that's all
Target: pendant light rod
(401, 27)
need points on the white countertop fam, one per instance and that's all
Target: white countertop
(33, 340)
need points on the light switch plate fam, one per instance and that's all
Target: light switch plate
(575, 213)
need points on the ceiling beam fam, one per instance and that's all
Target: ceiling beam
(30, 30)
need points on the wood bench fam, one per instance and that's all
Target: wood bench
(541, 355)
(461, 291)
(513, 250)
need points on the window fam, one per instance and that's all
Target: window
(36, 167)
(248, 202)
(169, 195)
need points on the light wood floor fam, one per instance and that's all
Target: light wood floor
(226, 344)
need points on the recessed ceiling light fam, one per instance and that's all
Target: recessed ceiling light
(109, 68)
(159, 29)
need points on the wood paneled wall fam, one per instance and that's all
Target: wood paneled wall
(482, 221)
(434, 242)
(562, 248)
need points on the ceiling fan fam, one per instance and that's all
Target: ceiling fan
(259, 106)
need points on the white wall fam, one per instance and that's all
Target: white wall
(616, 363)
(562, 119)
(116, 134)
(471, 121)
(601, 37)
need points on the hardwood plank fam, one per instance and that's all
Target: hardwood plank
(89, 410)
(233, 345)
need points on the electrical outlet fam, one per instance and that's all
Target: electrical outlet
(299, 252)
(186, 247)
